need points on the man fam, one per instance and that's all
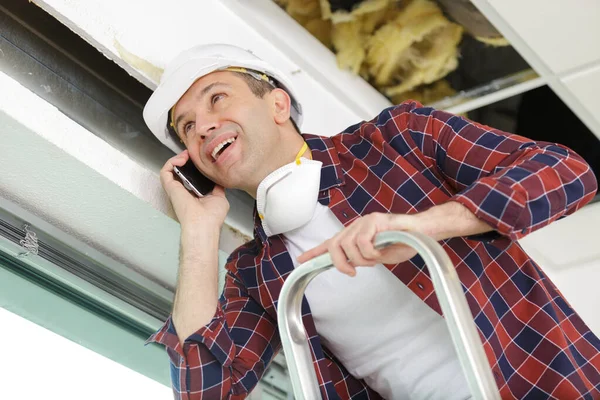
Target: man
(374, 332)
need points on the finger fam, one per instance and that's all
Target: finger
(398, 251)
(365, 236)
(178, 160)
(218, 191)
(340, 260)
(166, 175)
(366, 247)
(166, 172)
(312, 253)
(181, 158)
(354, 255)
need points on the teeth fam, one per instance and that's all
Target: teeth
(220, 146)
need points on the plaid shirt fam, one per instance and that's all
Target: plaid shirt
(406, 160)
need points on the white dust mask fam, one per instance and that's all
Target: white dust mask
(286, 199)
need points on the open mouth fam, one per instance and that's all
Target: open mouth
(220, 148)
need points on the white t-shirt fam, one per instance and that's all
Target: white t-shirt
(377, 327)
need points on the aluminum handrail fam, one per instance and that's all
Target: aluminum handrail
(450, 296)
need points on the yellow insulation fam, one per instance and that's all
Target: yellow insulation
(400, 46)
(364, 7)
(427, 94)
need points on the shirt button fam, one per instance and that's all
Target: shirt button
(420, 286)
(344, 214)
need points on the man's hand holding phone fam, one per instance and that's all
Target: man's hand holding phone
(189, 208)
(201, 219)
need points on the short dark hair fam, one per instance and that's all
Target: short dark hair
(258, 87)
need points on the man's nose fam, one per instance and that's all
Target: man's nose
(206, 124)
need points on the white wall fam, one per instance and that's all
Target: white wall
(40, 364)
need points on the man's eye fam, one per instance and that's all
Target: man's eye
(188, 127)
(216, 97)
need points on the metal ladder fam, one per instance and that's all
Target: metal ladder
(451, 298)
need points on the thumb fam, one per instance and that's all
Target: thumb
(218, 191)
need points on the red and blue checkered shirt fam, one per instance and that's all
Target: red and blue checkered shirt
(406, 160)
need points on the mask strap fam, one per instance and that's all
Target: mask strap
(298, 162)
(302, 150)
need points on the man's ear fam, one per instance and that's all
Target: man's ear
(281, 105)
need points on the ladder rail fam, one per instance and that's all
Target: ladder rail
(450, 295)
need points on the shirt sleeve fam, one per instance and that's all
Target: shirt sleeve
(226, 358)
(514, 184)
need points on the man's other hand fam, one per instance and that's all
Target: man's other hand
(353, 246)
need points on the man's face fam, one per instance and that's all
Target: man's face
(230, 133)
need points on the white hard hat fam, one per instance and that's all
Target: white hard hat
(194, 63)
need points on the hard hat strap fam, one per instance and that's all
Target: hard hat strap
(255, 74)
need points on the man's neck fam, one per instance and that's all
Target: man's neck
(291, 153)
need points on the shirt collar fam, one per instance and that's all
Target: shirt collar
(322, 149)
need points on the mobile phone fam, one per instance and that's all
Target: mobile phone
(193, 180)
